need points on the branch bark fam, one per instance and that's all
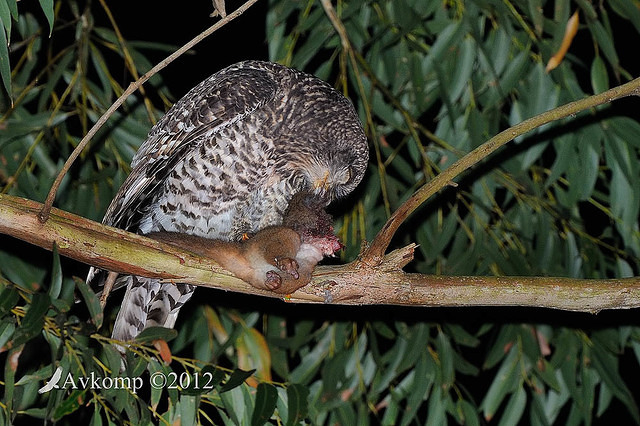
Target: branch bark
(356, 283)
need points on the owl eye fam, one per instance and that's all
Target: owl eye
(350, 174)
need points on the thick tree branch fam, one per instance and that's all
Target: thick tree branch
(106, 247)
(353, 284)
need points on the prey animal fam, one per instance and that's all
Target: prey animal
(279, 258)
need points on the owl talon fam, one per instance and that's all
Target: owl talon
(273, 281)
(288, 265)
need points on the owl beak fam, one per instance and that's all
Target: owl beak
(321, 188)
(322, 184)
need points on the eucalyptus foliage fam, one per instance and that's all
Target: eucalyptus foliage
(431, 80)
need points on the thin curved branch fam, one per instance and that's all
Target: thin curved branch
(43, 215)
(353, 284)
(374, 253)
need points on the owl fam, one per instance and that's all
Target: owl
(225, 161)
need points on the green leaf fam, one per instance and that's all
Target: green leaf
(9, 297)
(604, 399)
(589, 148)
(468, 412)
(344, 415)
(207, 379)
(627, 129)
(6, 332)
(606, 364)
(47, 8)
(513, 73)
(5, 17)
(515, 408)
(92, 302)
(506, 338)
(56, 274)
(236, 379)
(446, 358)
(265, 404)
(156, 370)
(605, 41)
(113, 358)
(535, 12)
(33, 320)
(96, 420)
(74, 401)
(505, 381)
(149, 334)
(214, 376)
(415, 333)
(418, 389)
(5, 68)
(463, 67)
(627, 10)
(238, 403)
(599, 76)
(437, 413)
(298, 403)
(310, 47)
(447, 37)
(392, 360)
(13, 7)
(624, 186)
(188, 409)
(312, 361)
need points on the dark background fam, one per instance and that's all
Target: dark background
(176, 23)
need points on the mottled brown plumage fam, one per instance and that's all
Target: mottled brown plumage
(226, 160)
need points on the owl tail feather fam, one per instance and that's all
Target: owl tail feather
(149, 303)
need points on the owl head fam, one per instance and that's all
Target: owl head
(322, 139)
(337, 166)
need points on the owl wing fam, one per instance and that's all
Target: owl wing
(225, 98)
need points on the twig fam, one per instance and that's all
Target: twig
(43, 215)
(108, 285)
(337, 24)
(346, 45)
(352, 284)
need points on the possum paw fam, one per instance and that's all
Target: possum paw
(288, 265)
(273, 281)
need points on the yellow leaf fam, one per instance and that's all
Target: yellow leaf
(163, 349)
(569, 33)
